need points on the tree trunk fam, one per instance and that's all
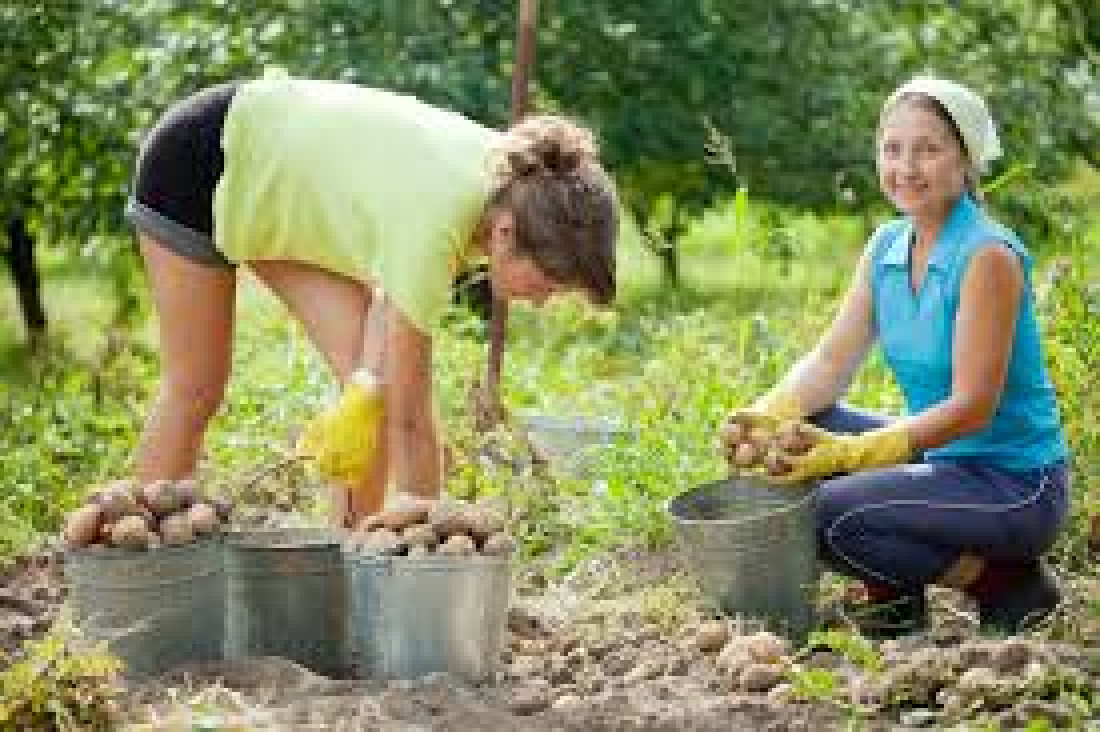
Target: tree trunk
(670, 265)
(19, 255)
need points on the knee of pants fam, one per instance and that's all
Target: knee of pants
(837, 497)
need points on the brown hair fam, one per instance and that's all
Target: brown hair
(933, 105)
(564, 205)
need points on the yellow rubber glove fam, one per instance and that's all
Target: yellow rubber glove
(779, 404)
(833, 454)
(343, 439)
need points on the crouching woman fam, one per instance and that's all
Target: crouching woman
(970, 489)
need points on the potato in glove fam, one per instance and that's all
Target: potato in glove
(343, 440)
(832, 454)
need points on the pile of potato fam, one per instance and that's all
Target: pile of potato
(128, 515)
(415, 527)
(754, 446)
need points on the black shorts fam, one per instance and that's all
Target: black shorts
(181, 160)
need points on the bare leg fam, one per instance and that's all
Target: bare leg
(333, 310)
(194, 307)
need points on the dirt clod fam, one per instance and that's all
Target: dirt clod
(530, 699)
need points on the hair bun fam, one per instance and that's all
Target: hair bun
(544, 146)
(555, 156)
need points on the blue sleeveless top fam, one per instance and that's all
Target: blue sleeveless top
(916, 333)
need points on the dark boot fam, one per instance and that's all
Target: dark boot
(1021, 603)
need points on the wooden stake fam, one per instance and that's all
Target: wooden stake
(525, 60)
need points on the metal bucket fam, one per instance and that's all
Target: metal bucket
(156, 609)
(413, 617)
(571, 444)
(287, 596)
(753, 547)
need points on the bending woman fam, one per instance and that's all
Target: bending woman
(356, 207)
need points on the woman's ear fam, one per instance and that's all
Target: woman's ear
(501, 230)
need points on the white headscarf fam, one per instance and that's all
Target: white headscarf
(967, 109)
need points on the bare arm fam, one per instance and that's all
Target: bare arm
(984, 330)
(823, 375)
(410, 430)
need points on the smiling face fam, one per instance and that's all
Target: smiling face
(515, 276)
(922, 165)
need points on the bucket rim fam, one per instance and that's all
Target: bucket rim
(795, 503)
(294, 539)
(477, 560)
(117, 553)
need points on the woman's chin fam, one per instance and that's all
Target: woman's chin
(911, 205)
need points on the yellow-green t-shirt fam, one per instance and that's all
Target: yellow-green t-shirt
(367, 183)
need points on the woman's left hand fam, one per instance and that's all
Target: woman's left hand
(834, 454)
(343, 439)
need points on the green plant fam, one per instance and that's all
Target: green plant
(61, 683)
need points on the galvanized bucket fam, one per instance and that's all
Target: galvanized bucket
(752, 545)
(571, 444)
(287, 596)
(413, 617)
(156, 609)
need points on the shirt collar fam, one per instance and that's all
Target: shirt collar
(963, 213)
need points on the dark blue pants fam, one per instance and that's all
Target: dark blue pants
(904, 526)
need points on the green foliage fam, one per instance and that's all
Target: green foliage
(795, 86)
(60, 685)
(815, 684)
(65, 429)
(851, 646)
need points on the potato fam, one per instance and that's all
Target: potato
(117, 502)
(766, 647)
(712, 636)
(449, 516)
(733, 432)
(130, 532)
(485, 519)
(82, 526)
(405, 511)
(161, 497)
(760, 436)
(794, 438)
(419, 535)
(458, 545)
(746, 455)
(370, 523)
(123, 484)
(777, 463)
(381, 541)
(499, 544)
(175, 529)
(204, 519)
(187, 492)
(223, 507)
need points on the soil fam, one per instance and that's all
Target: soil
(31, 593)
(595, 651)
